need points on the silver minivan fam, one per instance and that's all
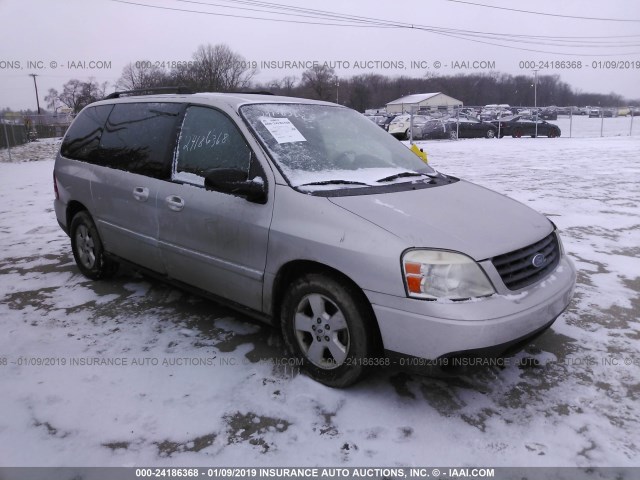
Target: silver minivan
(308, 216)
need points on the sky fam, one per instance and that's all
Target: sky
(60, 40)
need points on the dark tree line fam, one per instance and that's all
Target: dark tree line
(373, 90)
(216, 68)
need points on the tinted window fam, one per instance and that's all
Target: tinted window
(137, 138)
(83, 138)
(209, 140)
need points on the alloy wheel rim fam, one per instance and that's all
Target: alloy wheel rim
(86, 247)
(321, 331)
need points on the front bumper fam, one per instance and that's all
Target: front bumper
(435, 329)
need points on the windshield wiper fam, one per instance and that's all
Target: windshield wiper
(333, 182)
(406, 174)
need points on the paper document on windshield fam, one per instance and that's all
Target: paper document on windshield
(283, 130)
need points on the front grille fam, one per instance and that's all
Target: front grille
(517, 268)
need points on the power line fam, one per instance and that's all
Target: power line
(359, 18)
(545, 14)
(238, 16)
(461, 34)
(379, 23)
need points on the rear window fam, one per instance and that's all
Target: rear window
(136, 137)
(83, 138)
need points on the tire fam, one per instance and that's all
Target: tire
(88, 250)
(517, 134)
(407, 134)
(490, 134)
(552, 134)
(453, 135)
(328, 325)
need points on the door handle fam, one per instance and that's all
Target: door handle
(174, 203)
(141, 194)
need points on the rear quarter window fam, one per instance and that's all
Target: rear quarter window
(82, 141)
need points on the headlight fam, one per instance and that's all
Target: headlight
(436, 274)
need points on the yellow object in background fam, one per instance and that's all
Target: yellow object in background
(419, 152)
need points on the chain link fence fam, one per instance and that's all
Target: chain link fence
(18, 129)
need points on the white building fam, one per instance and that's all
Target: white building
(423, 101)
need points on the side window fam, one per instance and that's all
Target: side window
(83, 137)
(208, 140)
(138, 136)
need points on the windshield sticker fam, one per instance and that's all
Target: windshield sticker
(283, 130)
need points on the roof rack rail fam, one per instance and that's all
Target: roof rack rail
(149, 91)
(256, 92)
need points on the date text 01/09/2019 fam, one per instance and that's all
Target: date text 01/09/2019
(579, 64)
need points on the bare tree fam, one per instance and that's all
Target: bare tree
(288, 84)
(142, 74)
(216, 68)
(77, 94)
(52, 99)
(320, 81)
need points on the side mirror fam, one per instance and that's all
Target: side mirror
(236, 182)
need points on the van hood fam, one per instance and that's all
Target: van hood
(460, 216)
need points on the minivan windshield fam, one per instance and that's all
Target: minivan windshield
(327, 147)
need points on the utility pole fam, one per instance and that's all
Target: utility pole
(36, 85)
(337, 88)
(535, 98)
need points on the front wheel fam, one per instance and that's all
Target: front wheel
(88, 250)
(491, 133)
(328, 325)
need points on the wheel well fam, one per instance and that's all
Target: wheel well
(72, 209)
(293, 270)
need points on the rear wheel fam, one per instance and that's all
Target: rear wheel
(326, 323)
(88, 250)
(490, 133)
(517, 134)
(453, 135)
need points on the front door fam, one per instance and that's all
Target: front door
(214, 241)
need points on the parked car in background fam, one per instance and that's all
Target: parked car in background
(470, 112)
(433, 129)
(470, 127)
(399, 126)
(387, 121)
(376, 118)
(519, 127)
(548, 114)
(600, 112)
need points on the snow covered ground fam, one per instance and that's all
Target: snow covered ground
(581, 126)
(193, 383)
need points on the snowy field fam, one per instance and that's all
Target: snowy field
(197, 384)
(581, 126)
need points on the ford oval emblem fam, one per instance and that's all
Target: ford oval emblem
(538, 260)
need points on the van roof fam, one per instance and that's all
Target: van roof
(233, 100)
